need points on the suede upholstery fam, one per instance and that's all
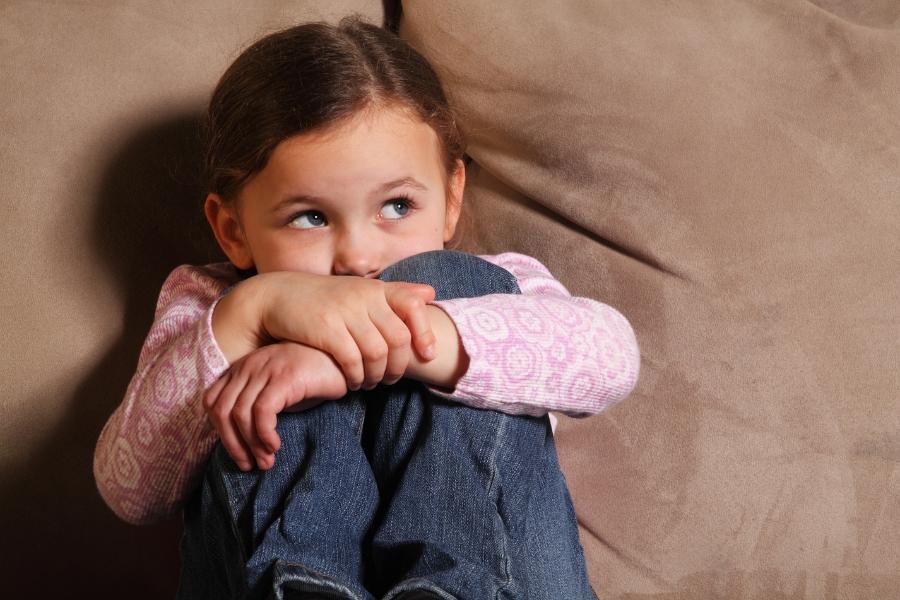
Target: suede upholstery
(724, 172)
(99, 121)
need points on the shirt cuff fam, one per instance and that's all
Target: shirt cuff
(212, 360)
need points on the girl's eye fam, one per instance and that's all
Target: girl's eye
(398, 206)
(308, 220)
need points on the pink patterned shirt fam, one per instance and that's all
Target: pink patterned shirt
(540, 351)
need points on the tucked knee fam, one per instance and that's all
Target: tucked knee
(453, 274)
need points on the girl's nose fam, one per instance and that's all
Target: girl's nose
(355, 257)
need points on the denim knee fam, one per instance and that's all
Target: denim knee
(453, 274)
(303, 520)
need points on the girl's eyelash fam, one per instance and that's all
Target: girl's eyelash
(411, 206)
(410, 203)
(400, 197)
(297, 215)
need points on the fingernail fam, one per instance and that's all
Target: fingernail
(429, 351)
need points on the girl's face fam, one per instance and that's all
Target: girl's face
(350, 200)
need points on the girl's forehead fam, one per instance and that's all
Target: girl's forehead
(367, 149)
(369, 137)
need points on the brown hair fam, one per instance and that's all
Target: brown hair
(313, 76)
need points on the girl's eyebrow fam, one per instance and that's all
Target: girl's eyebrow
(403, 181)
(382, 189)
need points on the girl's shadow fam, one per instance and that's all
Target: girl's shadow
(147, 220)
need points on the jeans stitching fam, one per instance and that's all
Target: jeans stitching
(496, 280)
(311, 581)
(228, 507)
(493, 491)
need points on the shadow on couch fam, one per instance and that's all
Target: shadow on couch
(147, 220)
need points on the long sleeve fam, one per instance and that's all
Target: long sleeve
(153, 446)
(529, 354)
(543, 350)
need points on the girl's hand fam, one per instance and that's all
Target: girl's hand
(367, 325)
(244, 403)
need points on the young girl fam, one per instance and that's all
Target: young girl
(347, 409)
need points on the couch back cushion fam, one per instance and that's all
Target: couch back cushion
(727, 174)
(99, 111)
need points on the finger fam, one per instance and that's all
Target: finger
(240, 449)
(220, 415)
(266, 462)
(340, 344)
(271, 401)
(211, 394)
(243, 414)
(411, 309)
(372, 348)
(397, 337)
(422, 290)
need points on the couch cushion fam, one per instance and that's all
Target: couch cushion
(727, 174)
(98, 136)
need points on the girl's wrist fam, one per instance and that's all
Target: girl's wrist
(267, 296)
(451, 360)
(237, 319)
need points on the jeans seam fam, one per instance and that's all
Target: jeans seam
(310, 581)
(501, 526)
(418, 584)
(225, 493)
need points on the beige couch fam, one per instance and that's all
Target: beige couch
(725, 172)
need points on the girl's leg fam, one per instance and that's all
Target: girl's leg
(474, 504)
(294, 531)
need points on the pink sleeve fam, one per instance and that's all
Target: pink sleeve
(152, 449)
(543, 350)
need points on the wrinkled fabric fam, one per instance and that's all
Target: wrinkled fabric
(393, 490)
(727, 174)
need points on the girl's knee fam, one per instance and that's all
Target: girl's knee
(453, 274)
(527, 434)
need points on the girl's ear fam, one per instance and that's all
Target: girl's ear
(456, 185)
(223, 220)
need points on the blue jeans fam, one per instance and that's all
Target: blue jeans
(393, 493)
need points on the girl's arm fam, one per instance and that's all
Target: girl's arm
(543, 350)
(151, 451)
(367, 325)
(540, 351)
(154, 445)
